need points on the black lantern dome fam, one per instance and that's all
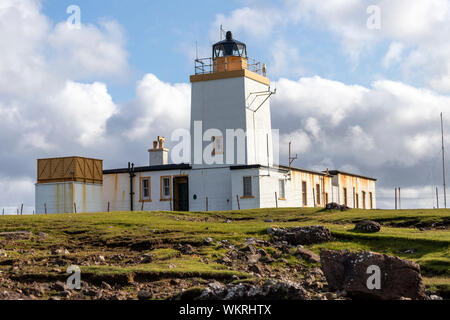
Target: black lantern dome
(229, 47)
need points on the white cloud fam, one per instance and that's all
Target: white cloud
(394, 54)
(89, 50)
(159, 108)
(387, 123)
(257, 22)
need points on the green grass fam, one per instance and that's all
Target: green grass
(88, 234)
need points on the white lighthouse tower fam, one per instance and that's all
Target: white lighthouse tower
(230, 109)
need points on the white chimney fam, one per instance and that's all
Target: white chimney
(159, 155)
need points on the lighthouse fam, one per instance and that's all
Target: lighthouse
(230, 109)
(233, 164)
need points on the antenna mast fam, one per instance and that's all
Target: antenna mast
(291, 159)
(443, 162)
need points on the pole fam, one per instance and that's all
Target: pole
(395, 198)
(206, 204)
(399, 199)
(276, 199)
(238, 203)
(45, 208)
(437, 197)
(108, 206)
(443, 162)
(21, 210)
(75, 207)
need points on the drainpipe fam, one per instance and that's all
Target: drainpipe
(132, 175)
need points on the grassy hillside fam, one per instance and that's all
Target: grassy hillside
(108, 246)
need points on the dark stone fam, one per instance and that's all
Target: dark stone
(308, 255)
(347, 271)
(302, 235)
(368, 226)
(336, 206)
(144, 295)
(16, 235)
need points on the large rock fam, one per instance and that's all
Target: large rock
(16, 235)
(336, 206)
(302, 235)
(308, 255)
(368, 226)
(270, 290)
(348, 271)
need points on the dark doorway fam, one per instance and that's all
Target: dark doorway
(181, 193)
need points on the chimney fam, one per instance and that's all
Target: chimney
(159, 155)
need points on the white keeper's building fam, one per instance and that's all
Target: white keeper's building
(232, 157)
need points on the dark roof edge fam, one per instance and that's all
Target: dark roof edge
(181, 166)
(336, 172)
(303, 170)
(256, 166)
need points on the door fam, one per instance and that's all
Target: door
(181, 193)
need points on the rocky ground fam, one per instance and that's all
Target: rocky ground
(274, 263)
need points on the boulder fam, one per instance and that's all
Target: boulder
(350, 272)
(308, 255)
(336, 206)
(144, 295)
(16, 235)
(302, 235)
(368, 226)
(270, 290)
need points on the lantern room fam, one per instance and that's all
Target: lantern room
(229, 55)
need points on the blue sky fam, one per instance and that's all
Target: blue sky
(350, 96)
(161, 36)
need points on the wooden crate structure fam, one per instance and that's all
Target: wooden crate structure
(70, 169)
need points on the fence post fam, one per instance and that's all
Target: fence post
(171, 209)
(206, 204)
(276, 199)
(142, 206)
(75, 207)
(238, 203)
(108, 206)
(45, 208)
(395, 198)
(21, 210)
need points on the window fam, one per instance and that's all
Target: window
(282, 193)
(166, 190)
(371, 200)
(364, 200)
(145, 189)
(217, 145)
(247, 183)
(304, 194)
(345, 197)
(318, 194)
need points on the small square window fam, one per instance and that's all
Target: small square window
(282, 191)
(247, 186)
(165, 188)
(145, 189)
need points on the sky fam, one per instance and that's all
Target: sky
(360, 84)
